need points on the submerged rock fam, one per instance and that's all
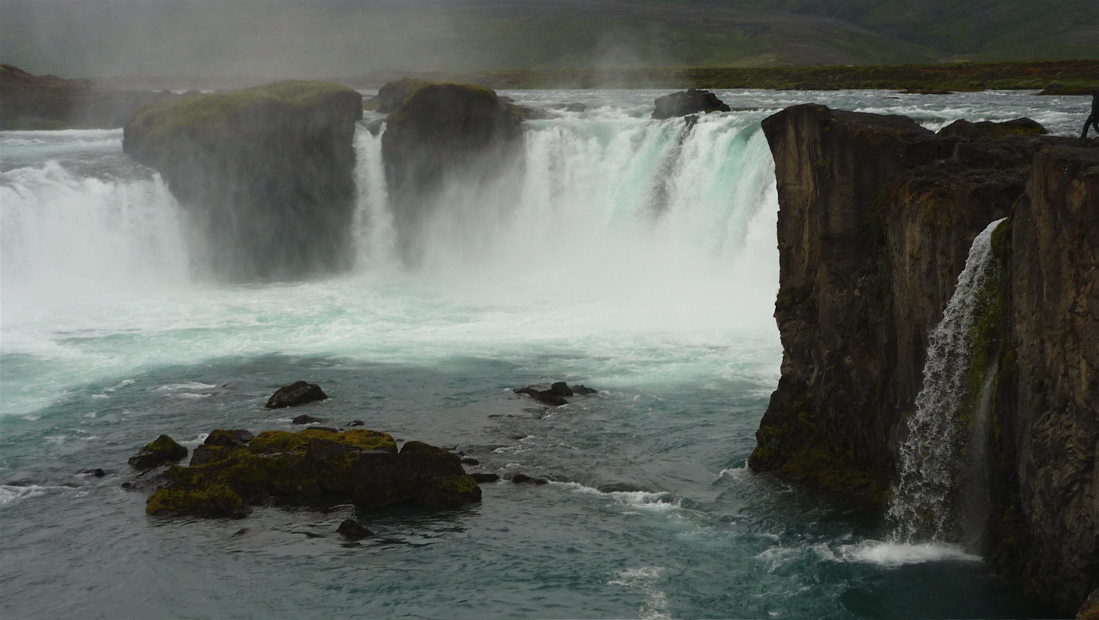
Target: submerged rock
(296, 394)
(266, 174)
(555, 394)
(306, 419)
(353, 530)
(162, 450)
(480, 477)
(686, 103)
(313, 465)
(525, 479)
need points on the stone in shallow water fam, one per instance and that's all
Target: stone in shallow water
(353, 530)
(295, 394)
(306, 419)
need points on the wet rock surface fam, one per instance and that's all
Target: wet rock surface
(686, 103)
(554, 394)
(297, 394)
(353, 530)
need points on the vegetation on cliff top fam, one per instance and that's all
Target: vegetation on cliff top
(159, 122)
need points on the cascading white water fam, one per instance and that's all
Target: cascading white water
(933, 458)
(566, 250)
(586, 218)
(68, 237)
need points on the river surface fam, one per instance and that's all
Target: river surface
(638, 259)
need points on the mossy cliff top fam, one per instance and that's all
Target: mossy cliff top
(207, 115)
(316, 465)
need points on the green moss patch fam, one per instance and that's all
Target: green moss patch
(312, 465)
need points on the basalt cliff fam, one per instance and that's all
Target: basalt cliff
(877, 217)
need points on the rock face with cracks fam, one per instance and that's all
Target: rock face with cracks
(266, 174)
(311, 466)
(877, 216)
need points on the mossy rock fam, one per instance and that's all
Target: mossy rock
(312, 465)
(162, 450)
(393, 94)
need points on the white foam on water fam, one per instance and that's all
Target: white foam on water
(893, 554)
(660, 501)
(645, 581)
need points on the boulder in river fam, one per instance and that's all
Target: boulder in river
(686, 103)
(353, 530)
(296, 394)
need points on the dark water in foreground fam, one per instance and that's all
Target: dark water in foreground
(709, 539)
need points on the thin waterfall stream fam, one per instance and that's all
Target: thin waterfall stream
(941, 461)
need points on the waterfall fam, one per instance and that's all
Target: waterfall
(942, 488)
(612, 204)
(68, 235)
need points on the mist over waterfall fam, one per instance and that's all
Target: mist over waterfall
(942, 491)
(618, 206)
(613, 226)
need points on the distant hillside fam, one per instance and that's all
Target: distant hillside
(975, 29)
(263, 39)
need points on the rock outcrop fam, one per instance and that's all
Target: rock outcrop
(685, 103)
(443, 136)
(296, 394)
(266, 174)
(226, 478)
(47, 102)
(877, 216)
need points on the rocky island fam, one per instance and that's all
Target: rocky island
(877, 216)
(234, 470)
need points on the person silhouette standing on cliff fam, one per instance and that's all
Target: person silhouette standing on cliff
(1093, 118)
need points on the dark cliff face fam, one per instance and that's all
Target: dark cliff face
(877, 216)
(843, 350)
(266, 174)
(1047, 498)
(444, 136)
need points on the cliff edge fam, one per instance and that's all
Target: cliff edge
(877, 217)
